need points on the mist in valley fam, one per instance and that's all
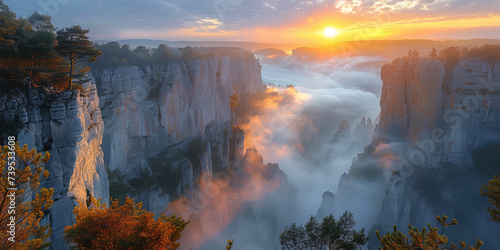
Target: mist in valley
(298, 134)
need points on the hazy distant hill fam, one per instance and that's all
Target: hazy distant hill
(243, 45)
(387, 48)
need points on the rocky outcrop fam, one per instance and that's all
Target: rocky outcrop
(327, 206)
(435, 123)
(364, 131)
(174, 119)
(448, 117)
(343, 133)
(69, 126)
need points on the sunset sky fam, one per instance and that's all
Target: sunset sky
(272, 21)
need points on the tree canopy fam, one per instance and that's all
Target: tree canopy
(74, 45)
(492, 191)
(330, 234)
(125, 226)
(31, 201)
(8, 24)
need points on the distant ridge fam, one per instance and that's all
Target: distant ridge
(243, 45)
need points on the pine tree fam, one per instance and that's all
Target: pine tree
(425, 240)
(8, 25)
(162, 54)
(492, 191)
(450, 56)
(330, 234)
(433, 54)
(33, 60)
(76, 47)
(31, 202)
(41, 22)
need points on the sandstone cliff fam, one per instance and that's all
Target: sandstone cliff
(436, 123)
(69, 126)
(168, 123)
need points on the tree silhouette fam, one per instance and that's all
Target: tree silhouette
(433, 54)
(330, 234)
(162, 54)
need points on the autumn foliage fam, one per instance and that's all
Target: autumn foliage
(122, 227)
(31, 203)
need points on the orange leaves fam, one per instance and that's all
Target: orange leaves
(27, 210)
(121, 227)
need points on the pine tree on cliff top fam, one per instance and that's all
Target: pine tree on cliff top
(74, 45)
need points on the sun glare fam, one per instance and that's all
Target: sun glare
(330, 32)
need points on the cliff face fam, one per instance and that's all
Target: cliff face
(69, 126)
(435, 124)
(452, 115)
(173, 121)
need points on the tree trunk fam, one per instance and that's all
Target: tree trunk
(28, 95)
(70, 72)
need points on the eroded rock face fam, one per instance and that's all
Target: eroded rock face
(178, 106)
(69, 126)
(447, 118)
(327, 206)
(433, 120)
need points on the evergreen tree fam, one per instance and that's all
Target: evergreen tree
(450, 56)
(189, 54)
(33, 60)
(424, 240)
(8, 25)
(31, 202)
(142, 52)
(162, 54)
(330, 234)
(492, 191)
(433, 54)
(75, 46)
(41, 22)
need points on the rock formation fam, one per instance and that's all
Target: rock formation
(327, 206)
(69, 126)
(168, 123)
(433, 122)
(343, 133)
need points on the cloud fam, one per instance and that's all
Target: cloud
(110, 18)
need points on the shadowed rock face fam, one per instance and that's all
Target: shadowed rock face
(69, 126)
(174, 119)
(327, 206)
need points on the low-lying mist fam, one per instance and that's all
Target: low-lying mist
(297, 134)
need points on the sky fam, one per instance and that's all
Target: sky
(272, 21)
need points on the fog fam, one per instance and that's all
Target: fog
(297, 135)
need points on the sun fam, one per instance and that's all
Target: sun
(330, 32)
